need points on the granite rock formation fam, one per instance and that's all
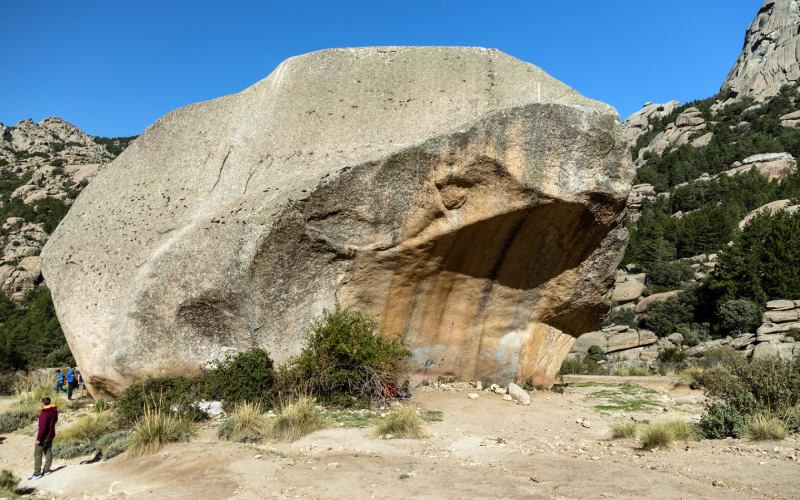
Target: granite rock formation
(770, 57)
(468, 200)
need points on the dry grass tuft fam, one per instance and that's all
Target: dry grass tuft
(297, 419)
(88, 427)
(155, 429)
(246, 424)
(624, 430)
(403, 423)
(765, 428)
(662, 434)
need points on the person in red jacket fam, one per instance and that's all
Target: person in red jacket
(44, 439)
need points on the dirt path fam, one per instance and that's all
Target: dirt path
(486, 448)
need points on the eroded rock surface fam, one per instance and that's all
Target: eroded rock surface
(467, 199)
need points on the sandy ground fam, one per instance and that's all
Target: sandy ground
(484, 448)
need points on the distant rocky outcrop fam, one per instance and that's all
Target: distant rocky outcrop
(51, 159)
(467, 199)
(771, 208)
(641, 121)
(688, 128)
(770, 57)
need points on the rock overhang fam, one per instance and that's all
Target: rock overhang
(241, 218)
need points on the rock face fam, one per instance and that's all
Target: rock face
(686, 129)
(641, 121)
(465, 198)
(770, 57)
(51, 159)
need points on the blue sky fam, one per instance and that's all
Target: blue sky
(112, 68)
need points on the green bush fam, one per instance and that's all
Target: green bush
(113, 443)
(669, 274)
(721, 421)
(596, 353)
(671, 355)
(72, 449)
(8, 481)
(345, 360)
(664, 317)
(245, 377)
(176, 395)
(739, 316)
(16, 419)
(739, 390)
(581, 365)
(625, 316)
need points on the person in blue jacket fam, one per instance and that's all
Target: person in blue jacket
(72, 380)
(59, 380)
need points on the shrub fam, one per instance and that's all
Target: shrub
(100, 405)
(72, 449)
(765, 428)
(113, 443)
(8, 481)
(296, 419)
(669, 274)
(596, 353)
(664, 317)
(88, 427)
(248, 376)
(740, 389)
(344, 360)
(624, 430)
(581, 365)
(247, 424)
(155, 429)
(739, 316)
(402, 423)
(169, 395)
(721, 421)
(671, 355)
(794, 334)
(16, 419)
(624, 316)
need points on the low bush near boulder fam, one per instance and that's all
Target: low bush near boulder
(170, 395)
(248, 376)
(113, 443)
(345, 361)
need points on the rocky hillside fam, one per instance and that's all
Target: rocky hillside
(43, 168)
(715, 230)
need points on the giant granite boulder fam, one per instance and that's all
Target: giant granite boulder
(468, 200)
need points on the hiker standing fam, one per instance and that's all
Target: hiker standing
(59, 380)
(44, 439)
(72, 381)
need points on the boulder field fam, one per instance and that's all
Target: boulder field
(470, 202)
